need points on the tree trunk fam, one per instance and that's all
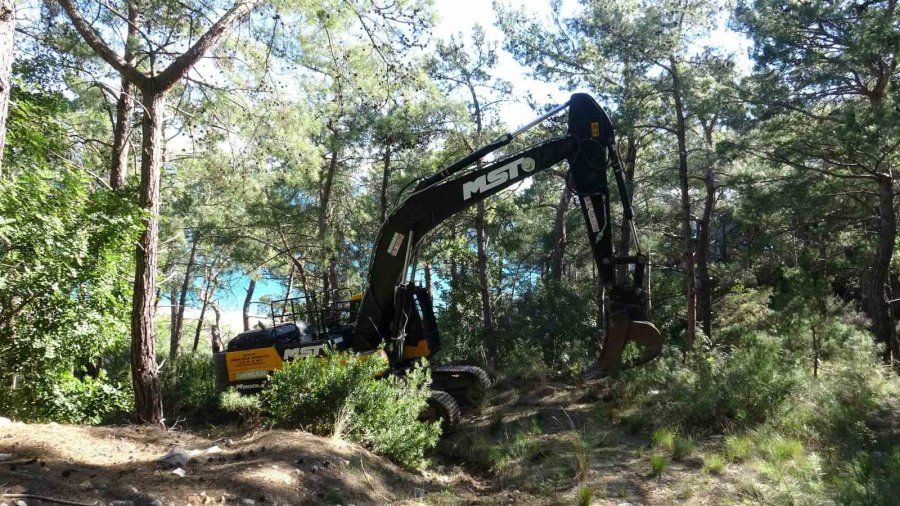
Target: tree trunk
(324, 202)
(484, 282)
(624, 245)
(217, 346)
(175, 340)
(558, 255)
(290, 283)
(385, 180)
(878, 288)
(686, 229)
(173, 315)
(247, 300)
(211, 284)
(144, 374)
(704, 285)
(7, 31)
(124, 109)
(428, 278)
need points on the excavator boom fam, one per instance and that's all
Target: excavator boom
(590, 151)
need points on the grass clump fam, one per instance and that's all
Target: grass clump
(664, 439)
(714, 464)
(658, 464)
(682, 447)
(585, 496)
(340, 389)
(738, 447)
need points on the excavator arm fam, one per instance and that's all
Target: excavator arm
(590, 151)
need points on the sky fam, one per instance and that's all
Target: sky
(460, 16)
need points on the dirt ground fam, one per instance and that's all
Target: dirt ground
(541, 444)
(102, 465)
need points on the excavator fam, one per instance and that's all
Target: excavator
(396, 317)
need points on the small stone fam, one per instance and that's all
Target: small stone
(133, 489)
(4, 421)
(5, 456)
(21, 503)
(314, 469)
(86, 484)
(213, 449)
(121, 503)
(156, 502)
(177, 457)
(247, 501)
(179, 472)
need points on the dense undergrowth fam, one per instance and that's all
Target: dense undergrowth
(806, 397)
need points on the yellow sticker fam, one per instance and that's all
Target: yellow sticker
(595, 129)
(246, 364)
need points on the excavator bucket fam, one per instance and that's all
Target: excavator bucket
(626, 344)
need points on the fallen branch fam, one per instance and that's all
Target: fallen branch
(48, 499)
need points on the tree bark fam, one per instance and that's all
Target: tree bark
(704, 284)
(175, 340)
(624, 245)
(290, 282)
(385, 180)
(124, 109)
(484, 282)
(558, 255)
(878, 288)
(211, 285)
(217, 345)
(145, 378)
(247, 300)
(7, 32)
(173, 316)
(686, 229)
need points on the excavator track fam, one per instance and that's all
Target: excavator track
(441, 407)
(467, 384)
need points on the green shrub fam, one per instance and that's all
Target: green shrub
(381, 414)
(188, 385)
(67, 399)
(247, 406)
(870, 479)
(66, 251)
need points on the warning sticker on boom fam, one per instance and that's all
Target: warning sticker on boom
(396, 242)
(592, 216)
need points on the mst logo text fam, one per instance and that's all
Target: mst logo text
(496, 177)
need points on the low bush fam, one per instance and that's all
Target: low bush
(381, 414)
(247, 407)
(188, 385)
(67, 399)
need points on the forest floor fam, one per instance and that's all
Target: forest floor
(543, 444)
